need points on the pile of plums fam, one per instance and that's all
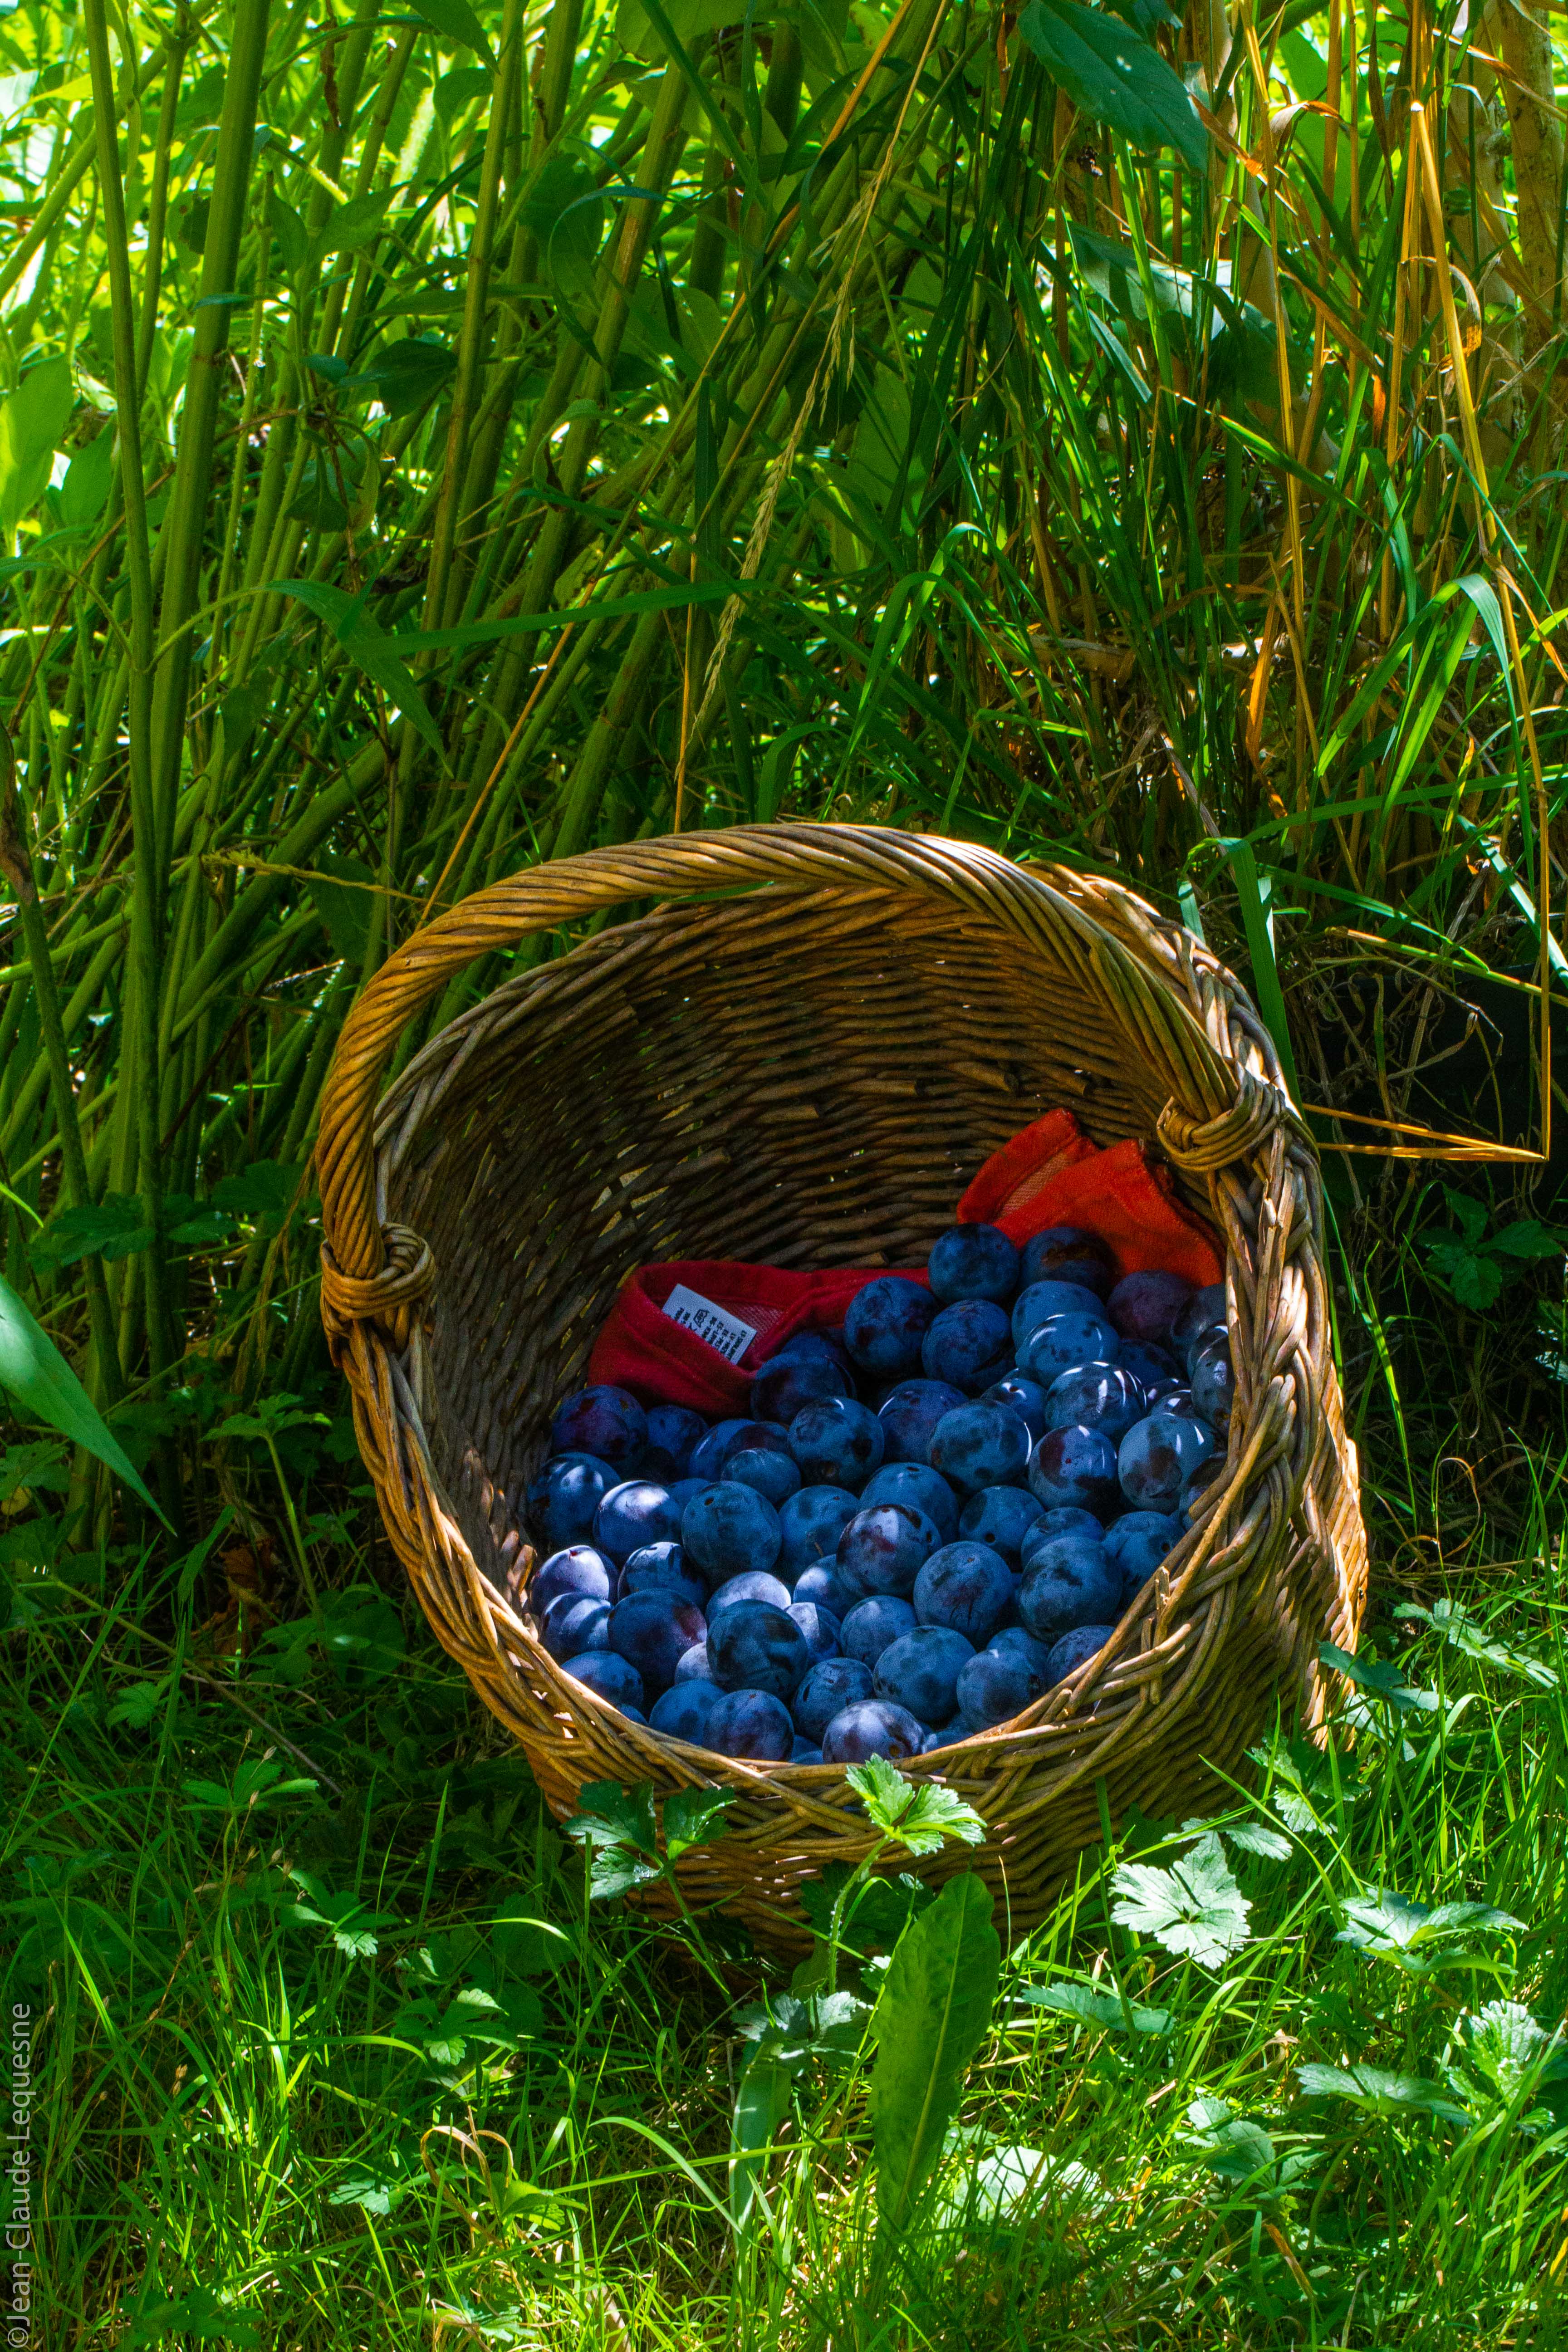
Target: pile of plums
(930, 1518)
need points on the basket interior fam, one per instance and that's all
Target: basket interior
(794, 1079)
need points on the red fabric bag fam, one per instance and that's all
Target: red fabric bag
(1049, 1174)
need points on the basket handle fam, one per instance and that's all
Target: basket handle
(367, 1273)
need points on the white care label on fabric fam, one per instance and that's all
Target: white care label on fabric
(720, 1329)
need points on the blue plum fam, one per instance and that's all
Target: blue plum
(1204, 1315)
(562, 1500)
(980, 1445)
(1139, 1542)
(693, 1665)
(754, 1646)
(810, 1525)
(752, 1584)
(632, 1713)
(1022, 1395)
(973, 1261)
(673, 1431)
(872, 1727)
(965, 1587)
(726, 1529)
(1077, 1469)
(1017, 1638)
(1097, 1396)
(909, 1413)
(822, 1585)
(1043, 1299)
(1065, 1520)
(770, 1475)
(574, 1622)
(1151, 1368)
(706, 1457)
(997, 1684)
(661, 1568)
(886, 1323)
(1063, 1343)
(884, 1548)
(820, 1627)
(1071, 1583)
(604, 1422)
(578, 1569)
(828, 1688)
(1197, 1484)
(635, 1513)
(608, 1675)
(1144, 1306)
(1214, 1384)
(681, 1490)
(871, 1624)
(1046, 1256)
(920, 1488)
(751, 1724)
(836, 1443)
(652, 1630)
(786, 1382)
(1001, 1516)
(1076, 1648)
(1158, 1455)
(682, 1711)
(803, 1752)
(968, 1346)
(920, 1671)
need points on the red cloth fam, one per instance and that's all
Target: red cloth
(643, 1350)
(1050, 1175)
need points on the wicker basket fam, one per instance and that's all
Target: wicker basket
(802, 1065)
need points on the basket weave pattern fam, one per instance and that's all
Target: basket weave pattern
(807, 1073)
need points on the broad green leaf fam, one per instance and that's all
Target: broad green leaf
(289, 231)
(1232, 2146)
(1115, 77)
(1527, 1239)
(1475, 1282)
(407, 373)
(1468, 1214)
(1384, 2092)
(763, 2100)
(930, 2018)
(612, 1816)
(456, 22)
(201, 2315)
(1419, 1937)
(367, 645)
(84, 493)
(694, 1817)
(1383, 1681)
(1193, 1909)
(1466, 1633)
(343, 910)
(918, 1814)
(265, 1189)
(44, 1385)
(33, 420)
(877, 1916)
(1093, 2005)
(114, 1227)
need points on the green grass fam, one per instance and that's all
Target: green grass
(629, 421)
(331, 2049)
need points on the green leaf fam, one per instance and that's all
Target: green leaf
(456, 22)
(918, 1814)
(1240, 2152)
(265, 1189)
(43, 1383)
(1093, 2005)
(1417, 1936)
(350, 226)
(1104, 67)
(33, 420)
(1466, 1633)
(762, 2099)
(1386, 2093)
(612, 1816)
(879, 1913)
(1527, 1239)
(139, 1706)
(202, 2315)
(84, 493)
(932, 2011)
(1195, 1909)
(694, 1817)
(1504, 2048)
(1384, 1681)
(1468, 1214)
(1476, 1281)
(367, 645)
(405, 374)
(114, 1227)
(289, 231)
